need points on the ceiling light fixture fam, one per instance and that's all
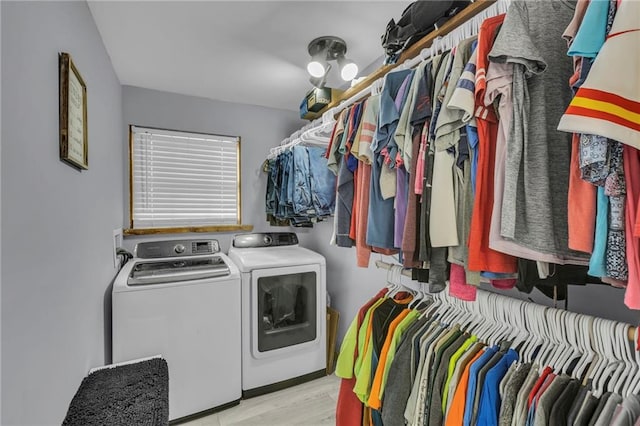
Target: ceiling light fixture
(325, 49)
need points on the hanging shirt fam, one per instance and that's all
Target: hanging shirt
(559, 415)
(521, 408)
(597, 263)
(389, 152)
(481, 257)
(403, 135)
(490, 401)
(534, 212)
(578, 16)
(349, 407)
(398, 386)
(396, 329)
(455, 414)
(510, 394)
(608, 102)
(591, 33)
(632, 177)
(451, 368)
(436, 410)
(380, 218)
(547, 399)
(458, 379)
(333, 155)
(471, 385)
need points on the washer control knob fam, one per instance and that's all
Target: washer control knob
(179, 248)
(267, 240)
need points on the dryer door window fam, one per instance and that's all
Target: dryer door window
(286, 310)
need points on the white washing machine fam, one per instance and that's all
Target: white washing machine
(181, 299)
(283, 311)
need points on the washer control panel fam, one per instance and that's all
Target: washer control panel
(175, 248)
(265, 239)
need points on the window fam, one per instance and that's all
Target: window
(183, 180)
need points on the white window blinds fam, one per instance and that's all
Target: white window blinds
(182, 179)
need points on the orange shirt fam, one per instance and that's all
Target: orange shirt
(374, 397)
(363, 180)
(481, 257)
(581, 205)
(455, 416)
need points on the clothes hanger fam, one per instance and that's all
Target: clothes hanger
(483, 303)
(536, 349)
(391, 284)
(550, 344)
(608, 378)
(496, 331)
(588, 353)
(575, 349)
(629, 369)
(567, 349)
(503, 329)
(514, 319)
(600, 362)
(616, 379)
(556, 337)
(537, 333)
(527, 334)
(417, 298)
(609, 363)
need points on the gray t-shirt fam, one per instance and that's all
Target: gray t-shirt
(534, 207)
(511, 389)
(560, 412)
(520, 410)
(607, 411)
(545, 404)
(629, 412)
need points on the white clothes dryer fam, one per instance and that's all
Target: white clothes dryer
(181, 299)
(283, 311)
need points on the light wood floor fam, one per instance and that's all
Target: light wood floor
(309, 404)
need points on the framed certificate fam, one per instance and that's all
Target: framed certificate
(74, 148)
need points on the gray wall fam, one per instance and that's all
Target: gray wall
(56, 222)
(260, 128)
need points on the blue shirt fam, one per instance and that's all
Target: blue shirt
(597, 263)
(381, 214)
(490, 401)
(473, 377)
(591, 35)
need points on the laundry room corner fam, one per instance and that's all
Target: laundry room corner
(256, 126)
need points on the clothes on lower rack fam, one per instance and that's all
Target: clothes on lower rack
(443, 365)
(300, 188)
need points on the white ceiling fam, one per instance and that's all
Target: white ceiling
(252, 52)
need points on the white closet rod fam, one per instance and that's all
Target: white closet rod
(311, 134)
(503, 299)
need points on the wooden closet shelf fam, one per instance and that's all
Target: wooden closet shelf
(414, 50)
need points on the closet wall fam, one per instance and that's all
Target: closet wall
(56, 222)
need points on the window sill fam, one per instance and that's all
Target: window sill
(182, 230)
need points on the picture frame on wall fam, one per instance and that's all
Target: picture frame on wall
(74, 149)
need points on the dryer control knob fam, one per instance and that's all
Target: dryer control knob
(267, 240)
(179, 248)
